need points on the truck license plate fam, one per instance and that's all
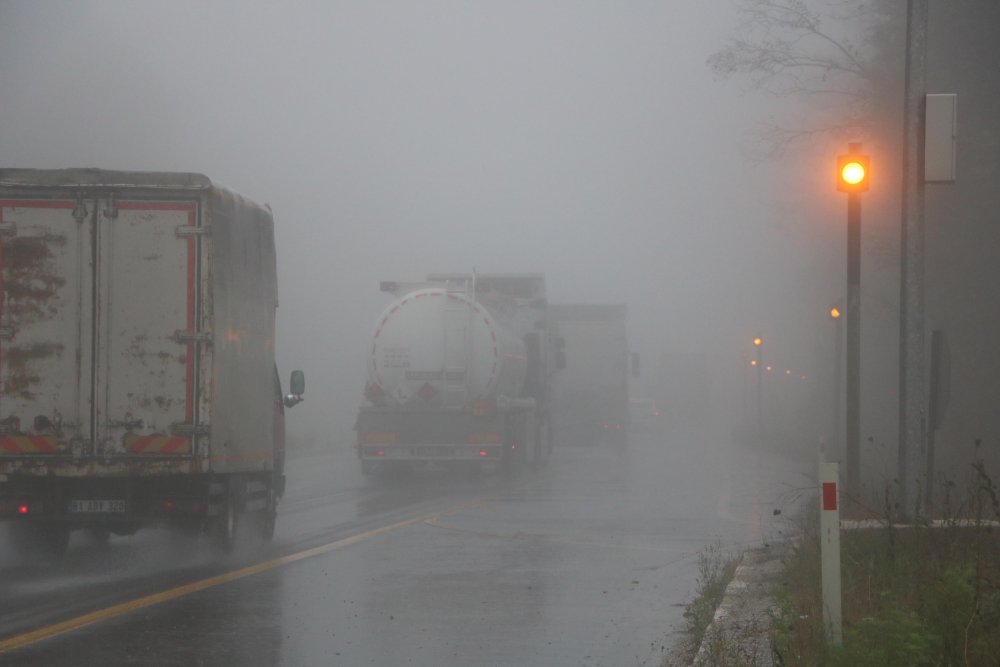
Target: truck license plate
(98, 506)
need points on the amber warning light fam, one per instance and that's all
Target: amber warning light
(852, 173)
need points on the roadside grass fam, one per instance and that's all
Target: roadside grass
(911, 596)
(715, 571)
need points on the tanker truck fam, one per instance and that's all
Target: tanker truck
(459, 369)
(138, 383)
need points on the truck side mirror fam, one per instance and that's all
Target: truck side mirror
(296, 387)
(635, 364)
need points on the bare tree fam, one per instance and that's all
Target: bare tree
(828, 55)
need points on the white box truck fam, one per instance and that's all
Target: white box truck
(138, 383)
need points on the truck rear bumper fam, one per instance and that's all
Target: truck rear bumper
(431, 452)
(81, 501)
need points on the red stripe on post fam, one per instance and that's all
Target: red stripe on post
(829, 495)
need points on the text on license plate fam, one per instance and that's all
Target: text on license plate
(97, 506)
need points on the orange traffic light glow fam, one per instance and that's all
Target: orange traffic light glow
(835, 312)
(852, 173)
(757, 341)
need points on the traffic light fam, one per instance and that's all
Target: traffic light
(852, 172)
(757, 341)
(834, 312)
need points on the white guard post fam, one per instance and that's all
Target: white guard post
(829, 526)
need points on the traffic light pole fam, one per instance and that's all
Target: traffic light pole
(760, 392)
(838, 365)
(853, 375)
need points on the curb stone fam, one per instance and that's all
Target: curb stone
(740, 632)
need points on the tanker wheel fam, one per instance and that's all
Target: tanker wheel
(544, 447)
(536, 444)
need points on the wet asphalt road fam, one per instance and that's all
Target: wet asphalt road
(588, 561)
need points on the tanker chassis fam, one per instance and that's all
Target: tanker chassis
(458, 373)
(137, 377)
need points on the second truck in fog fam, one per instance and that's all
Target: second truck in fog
(459, 370)
(591, 396)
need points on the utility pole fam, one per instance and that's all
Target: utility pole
(911, 284)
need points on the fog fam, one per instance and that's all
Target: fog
(585, 140)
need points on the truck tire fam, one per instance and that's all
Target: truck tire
(227, 524)
(268, 518)
(45, 542)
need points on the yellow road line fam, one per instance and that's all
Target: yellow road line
(78, 622)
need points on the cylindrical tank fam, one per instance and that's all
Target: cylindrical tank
(435, 347)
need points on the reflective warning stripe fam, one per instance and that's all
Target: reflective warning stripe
(27, 444)
(158, 444)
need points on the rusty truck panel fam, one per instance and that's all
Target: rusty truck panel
(137, 316)
(45, 397)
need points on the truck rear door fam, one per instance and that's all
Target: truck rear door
(145, 362)
(98, 307)
(45, 305)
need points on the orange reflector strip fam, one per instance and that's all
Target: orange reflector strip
(379, 437)
(482, 408)
(484, 438)
(158, 444)
(28, 444)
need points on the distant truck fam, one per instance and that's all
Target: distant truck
(138, 383)
(459, 370)
(591, 395)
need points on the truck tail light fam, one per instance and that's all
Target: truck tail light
(483, 453)
(171, 506)
(19, 506)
